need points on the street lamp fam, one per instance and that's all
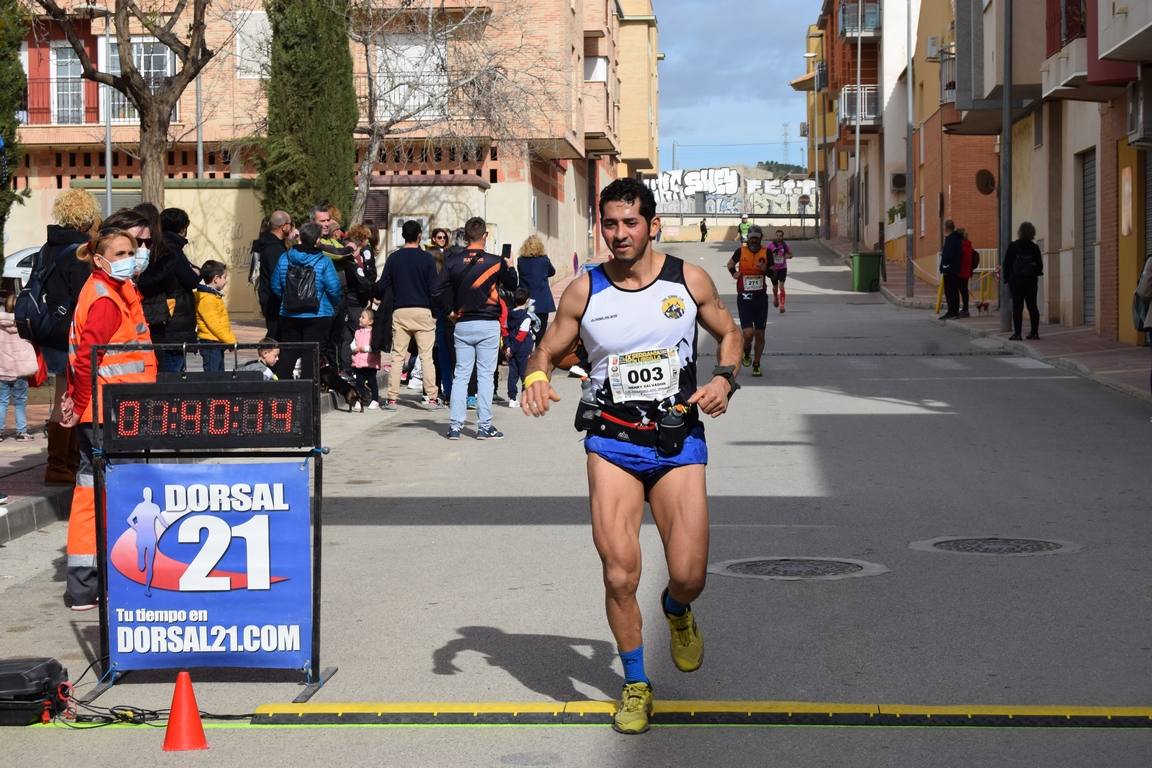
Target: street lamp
(818, 113)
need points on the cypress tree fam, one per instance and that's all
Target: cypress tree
(310, 153)
(13, 86)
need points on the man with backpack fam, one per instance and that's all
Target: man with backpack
(266, 252)
(969, 260)
(950, 260)
(309, 291)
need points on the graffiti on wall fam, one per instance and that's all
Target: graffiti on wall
(725, 191)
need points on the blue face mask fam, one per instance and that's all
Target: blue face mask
(121, 270)
(141, 260)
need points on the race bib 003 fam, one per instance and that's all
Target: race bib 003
(650, 375)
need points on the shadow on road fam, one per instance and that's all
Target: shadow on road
(546, 664)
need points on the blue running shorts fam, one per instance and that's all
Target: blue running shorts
(645, 463)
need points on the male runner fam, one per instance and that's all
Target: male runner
(749, 265)
(636, 317)
(743, 227)
(779, 253)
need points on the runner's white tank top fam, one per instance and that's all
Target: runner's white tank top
(641, 343)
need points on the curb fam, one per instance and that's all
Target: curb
(31, 513)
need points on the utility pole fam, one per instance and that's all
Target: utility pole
(1005, 186)
(857, 207)
(784, 127)
(909, 176)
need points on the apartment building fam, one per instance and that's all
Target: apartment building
(1081, 139)
(542, 179)
(843, 98)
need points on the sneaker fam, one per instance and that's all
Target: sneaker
(513, 403)
(1032, 336)
(453, 433)
(963, 313)
(775, 301)
(472, 402)
(687, 644)
(747, 360)
(488, 432)
(635, 708)
(1015, 337)
(374, 405)
(389, 406)
(781, 309)
(947, 316)
(80, 604)
(434, 404)
(415, 383)
(23, 436)
(3, 499)
(756, 370)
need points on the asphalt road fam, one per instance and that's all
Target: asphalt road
(465, 572)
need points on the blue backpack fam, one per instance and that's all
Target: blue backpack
(37, 320)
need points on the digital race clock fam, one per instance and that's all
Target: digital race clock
(208, 414)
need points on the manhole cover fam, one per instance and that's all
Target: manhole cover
(796, 568)
(995, 545)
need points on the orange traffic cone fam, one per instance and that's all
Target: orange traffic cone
(185, 731)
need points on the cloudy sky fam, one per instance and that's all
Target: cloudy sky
(725, 79)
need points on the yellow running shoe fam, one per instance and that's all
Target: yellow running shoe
(687, 643)
(635, 707)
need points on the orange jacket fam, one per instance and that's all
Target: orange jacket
(119, 367)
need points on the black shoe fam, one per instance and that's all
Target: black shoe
(963, 313)
(947, 317)
(1014, 337)
(1033, 336)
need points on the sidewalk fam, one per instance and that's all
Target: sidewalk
(1118, 366)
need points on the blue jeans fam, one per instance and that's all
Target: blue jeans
(213, 358)
(171, 360)
(477, 344)
(17, 391)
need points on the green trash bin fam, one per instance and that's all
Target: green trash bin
(866, 271)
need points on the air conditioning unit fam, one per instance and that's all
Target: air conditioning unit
(899, 182)
(1139, 120)
(933, 48)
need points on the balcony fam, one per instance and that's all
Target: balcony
(405, 98)
(869, 106)
(947, 77)
(1066, 21)
(1125, 30)
(851, 23)
(599, 123)
(64, 101)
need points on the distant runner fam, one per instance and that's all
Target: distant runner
(749, 265)
(743, 228)
(780, 253)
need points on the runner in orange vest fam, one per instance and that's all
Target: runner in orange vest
(108, 311)
(749, 265)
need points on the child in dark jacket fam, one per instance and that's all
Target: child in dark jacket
(519, 340)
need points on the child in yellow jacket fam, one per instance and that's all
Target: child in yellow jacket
(212, 323)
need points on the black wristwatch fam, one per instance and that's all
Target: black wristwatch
(727, 372)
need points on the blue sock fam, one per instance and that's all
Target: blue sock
(674, 608)
(634, 665)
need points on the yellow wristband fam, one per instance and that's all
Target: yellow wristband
(534, 377)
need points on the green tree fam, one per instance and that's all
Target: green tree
(779, 168)
(13, 86)
(310, 153)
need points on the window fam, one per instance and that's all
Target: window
(1038, 127)
(411, 78)
(253, 41)
(153, 60)
(921, 132)
(596, 69)
(920, 207)
(67, 87)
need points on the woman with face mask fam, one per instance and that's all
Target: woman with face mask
(108, 311)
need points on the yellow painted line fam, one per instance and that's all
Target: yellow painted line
(763, 707)
(582, 708)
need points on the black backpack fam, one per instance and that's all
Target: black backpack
(300, 294)
(37, 321)
(1024, 264)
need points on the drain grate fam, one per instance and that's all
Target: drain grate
(995, 545)
(796, 568)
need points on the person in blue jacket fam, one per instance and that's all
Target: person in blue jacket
(535, 268)
(305, 326)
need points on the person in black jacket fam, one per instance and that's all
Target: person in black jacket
(468, 289)
(951, 255)
(268, 248)
(1023, 266)
(168, 288)
(535, 268)
(77, 214)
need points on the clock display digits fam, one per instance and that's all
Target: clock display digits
(281, 414)
(252, 416)
(157, 417)
(219, 416)
(191, 411)
(128, 418)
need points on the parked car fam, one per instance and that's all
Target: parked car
(18, 264)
